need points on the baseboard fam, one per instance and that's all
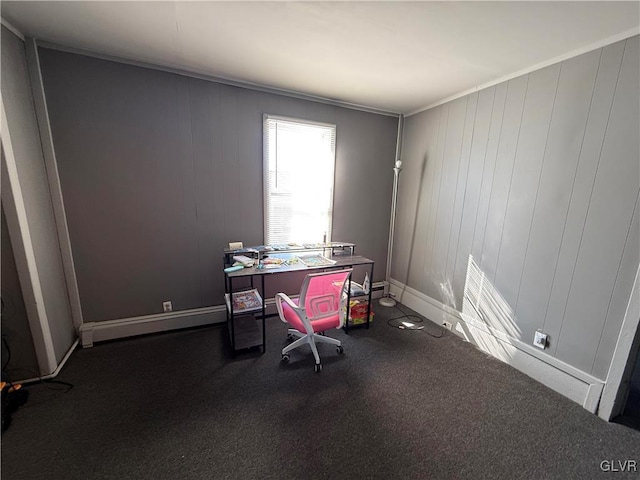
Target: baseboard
(91, 332)
(565, 379)
(377, 290)
(56, 371)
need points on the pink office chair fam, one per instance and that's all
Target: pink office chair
(321, 306)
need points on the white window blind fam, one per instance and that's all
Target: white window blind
(299, 163)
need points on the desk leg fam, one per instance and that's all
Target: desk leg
(346, 320)
(231, 323)
(370, 291)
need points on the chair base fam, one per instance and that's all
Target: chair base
(305, 338)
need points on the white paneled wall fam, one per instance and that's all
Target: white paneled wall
(538, 178)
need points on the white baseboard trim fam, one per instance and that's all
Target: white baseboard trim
(378, 289)
(91, 332)
(56, 371)
(565, 379)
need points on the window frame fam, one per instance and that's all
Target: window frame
(265, 167)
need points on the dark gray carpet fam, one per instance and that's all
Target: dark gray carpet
(398, 404)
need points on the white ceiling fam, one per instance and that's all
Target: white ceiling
(393, 56)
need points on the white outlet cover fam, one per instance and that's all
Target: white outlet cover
(540, 340)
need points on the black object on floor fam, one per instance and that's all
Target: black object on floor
(13, 397)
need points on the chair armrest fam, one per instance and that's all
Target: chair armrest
(282, 297)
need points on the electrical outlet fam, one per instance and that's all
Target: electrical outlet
(540, 340)
(167, 307)
(447, 325)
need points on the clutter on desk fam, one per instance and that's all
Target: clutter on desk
(233, 268)
(316, 260)
(243, 260)
(271, 260)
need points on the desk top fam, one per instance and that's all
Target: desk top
(344, 261)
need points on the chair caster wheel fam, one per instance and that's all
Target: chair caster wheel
(285, 358)
(340, 349)
(318, 367)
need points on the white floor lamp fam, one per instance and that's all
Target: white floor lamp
(386, 300)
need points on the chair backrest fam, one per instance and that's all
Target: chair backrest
(324, 294)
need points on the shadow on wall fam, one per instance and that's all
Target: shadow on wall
(440, 281)
(410, 266)
(488, 317)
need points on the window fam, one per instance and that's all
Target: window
(299, 162)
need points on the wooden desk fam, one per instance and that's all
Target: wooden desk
(245, 331)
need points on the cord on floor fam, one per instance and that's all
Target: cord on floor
(409, 321)
(11, 386)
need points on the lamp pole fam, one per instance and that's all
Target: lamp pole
(386, 300)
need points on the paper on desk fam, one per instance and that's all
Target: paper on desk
(244, 261)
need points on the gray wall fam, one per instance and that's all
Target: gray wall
(23, 129)
(15, 324)
(160, 172)
(538, 179)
